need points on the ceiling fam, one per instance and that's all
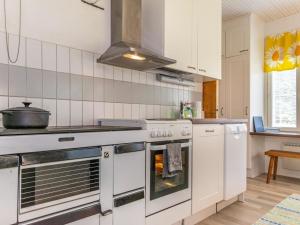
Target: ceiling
(268, 10)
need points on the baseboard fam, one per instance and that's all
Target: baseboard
(200, 216)
(252, 173)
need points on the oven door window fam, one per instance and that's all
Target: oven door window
(161, 186)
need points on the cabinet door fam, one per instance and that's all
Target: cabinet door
(237, 41)
(237, 77)
(179, 36)
(208, 162)
(222, 109)
(209, 37)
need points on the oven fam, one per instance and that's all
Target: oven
(61, 187)
(163, 193)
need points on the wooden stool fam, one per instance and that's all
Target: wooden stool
(273, 165)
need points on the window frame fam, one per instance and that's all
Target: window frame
(270, 108)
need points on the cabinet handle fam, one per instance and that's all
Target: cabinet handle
(191, 67)
(222, 111)
(246, 110)
(202, 70)
(209, 131)
(245, 50)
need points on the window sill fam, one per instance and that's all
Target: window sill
(277, 134)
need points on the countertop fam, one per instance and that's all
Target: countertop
(219, 121)
(64, 130)
(277, 134)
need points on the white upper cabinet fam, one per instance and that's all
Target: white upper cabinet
(237, 84)
(179, 35)
(188, 31)
(209, 27)
(237, 41)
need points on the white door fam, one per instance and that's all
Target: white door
(237, 41)
(222, 95)
(208, 162)
(179, 36)
(209, 37)
(237, 76)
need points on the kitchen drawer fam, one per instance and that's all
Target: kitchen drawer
(208, 130)
(129, 169)
(129, 209)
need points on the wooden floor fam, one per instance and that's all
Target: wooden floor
(259, 199)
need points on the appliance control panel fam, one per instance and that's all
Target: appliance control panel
(172, 131)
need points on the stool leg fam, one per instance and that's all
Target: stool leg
(271, 166)
(275, 168)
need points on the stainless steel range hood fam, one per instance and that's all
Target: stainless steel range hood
(126, 49)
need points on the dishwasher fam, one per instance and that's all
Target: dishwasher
(129, 184)
(235, 171)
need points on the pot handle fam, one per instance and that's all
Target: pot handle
(27, 104)
(6, 113)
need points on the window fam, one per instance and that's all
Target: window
(283, 90)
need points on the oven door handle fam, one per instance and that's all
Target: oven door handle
(163, 147)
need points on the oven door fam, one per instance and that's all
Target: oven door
(162, 192)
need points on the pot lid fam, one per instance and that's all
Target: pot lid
(27, 108)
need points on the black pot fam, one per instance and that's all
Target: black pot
(25, 117)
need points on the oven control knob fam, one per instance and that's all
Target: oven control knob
(159, 133)
(170, 133)
(165, 133)
(154, 133)
(184, 133)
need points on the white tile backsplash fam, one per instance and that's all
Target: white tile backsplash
(88, 63)
(3, 51)
(13, 49)
(76, 113)
(98, 68)
(16, 101)
(135, 76)
(63, 59)
(127, 75)
(99, 112)
(75, 104)
(135, 111)
(127, 113)
(143, 111)
(109, 110)
(118, 110)
(34, 53)
(49, 56)
(118, 73)
(75, 61)
(50, 105)
(143, 78)
(88, 113)
(63, 113)
(108, 72)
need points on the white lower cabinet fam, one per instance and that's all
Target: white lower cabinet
(129, 209)
(208, 166)
(8, 191)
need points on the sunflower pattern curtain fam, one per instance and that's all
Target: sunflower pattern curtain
(282, 52)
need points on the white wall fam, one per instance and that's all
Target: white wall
(282, 25)
(64, 22)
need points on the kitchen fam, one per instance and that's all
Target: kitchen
(125, 112)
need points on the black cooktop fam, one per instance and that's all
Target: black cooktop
(64, 130)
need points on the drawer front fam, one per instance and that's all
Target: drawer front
(8, 195)
(208, 130)
(129, 171)
(129, 209)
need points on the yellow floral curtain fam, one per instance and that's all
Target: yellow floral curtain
(282, 52)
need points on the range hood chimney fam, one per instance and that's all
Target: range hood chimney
(126, 37)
